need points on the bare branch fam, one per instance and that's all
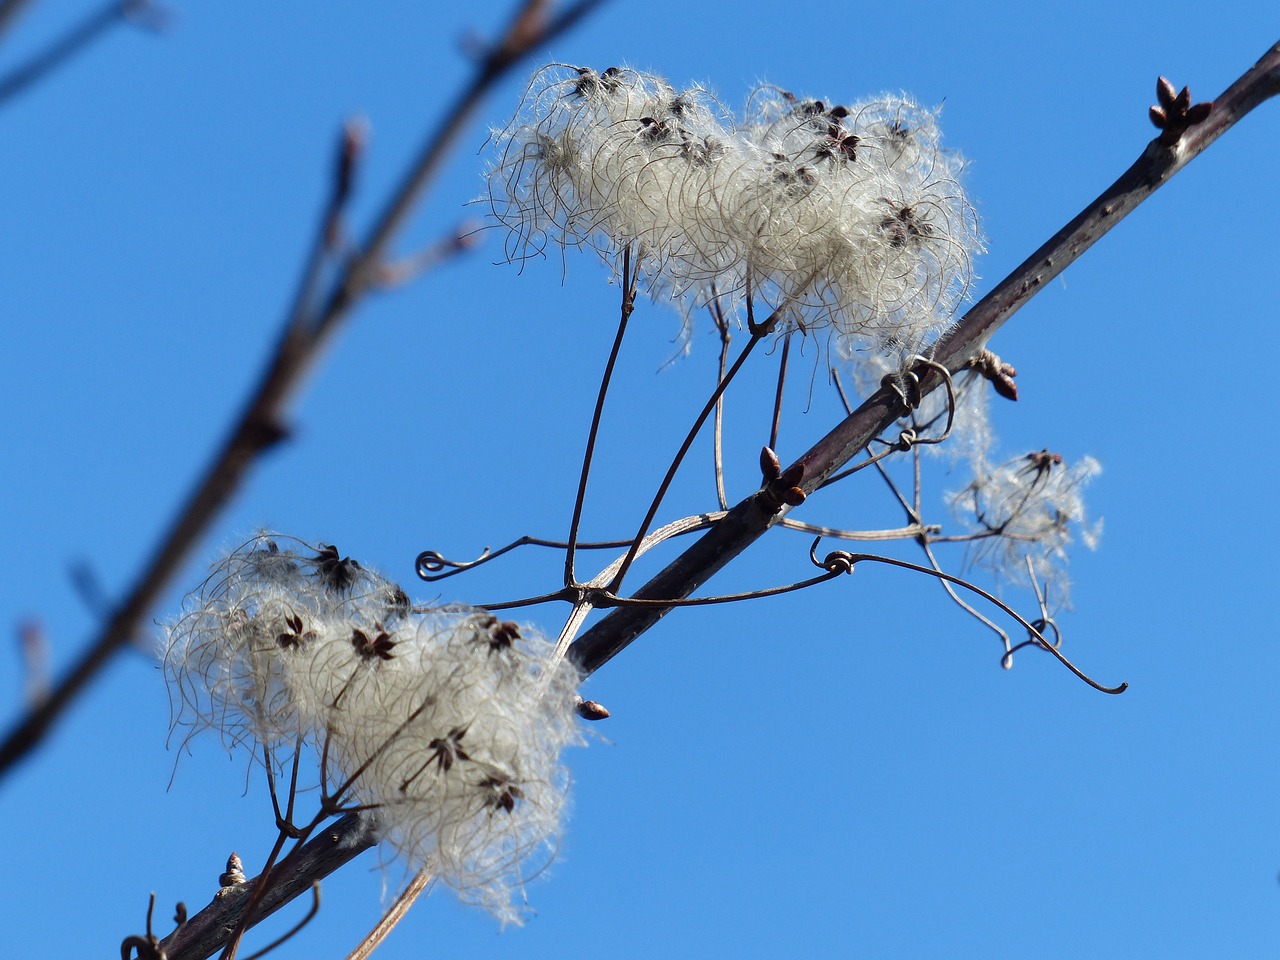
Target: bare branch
(75, 40)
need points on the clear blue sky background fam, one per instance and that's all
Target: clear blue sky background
(847, 772)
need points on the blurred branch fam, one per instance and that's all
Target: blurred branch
(306, 332)
(747, 521)
(76, 39)
(9, 10)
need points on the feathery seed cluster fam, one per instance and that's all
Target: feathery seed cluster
(447, 720)
(1029, 506)
(842, 217)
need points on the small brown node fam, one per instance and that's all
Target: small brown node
(1174, 112)
(592, 710)
(999, 373)
(377, 647)
(502, 793)
(335, 572)
(499, 635)
(447, 750)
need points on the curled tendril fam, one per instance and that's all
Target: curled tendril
(840, 560)
(1040, 628)
(910, 396)
(150, 946)
(837, 561)
(430, 562)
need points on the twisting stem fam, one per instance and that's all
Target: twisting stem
(852, 559)
(630, 277)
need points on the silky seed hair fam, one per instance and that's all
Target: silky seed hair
(447, 721)
(850, 218)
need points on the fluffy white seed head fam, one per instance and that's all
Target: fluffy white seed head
(447, 721)
(1027, 510)
(847, 218)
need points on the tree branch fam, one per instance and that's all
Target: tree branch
(260, 425)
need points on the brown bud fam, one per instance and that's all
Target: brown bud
(770, 465)
(1200, 112)
(1165, 92)
(1158, 117)
(794, 497)
(592, 710)
(235, 872)
(1004, 385)
(793, 475)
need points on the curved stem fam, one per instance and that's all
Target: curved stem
(630, 276)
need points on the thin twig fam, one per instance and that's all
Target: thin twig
(630, 279)
(395, 913)
(777, 397)
(717, 444)
(678, 459)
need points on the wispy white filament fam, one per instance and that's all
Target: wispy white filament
(849, 218)
(448, 721)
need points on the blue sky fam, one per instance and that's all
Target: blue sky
(845, 771)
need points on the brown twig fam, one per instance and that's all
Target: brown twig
(306, 333)
(9, 10)
(395, 913)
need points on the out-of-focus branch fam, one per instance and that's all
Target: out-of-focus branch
(314, 318)
(76, 39)
(747, 521)
(9, 10)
